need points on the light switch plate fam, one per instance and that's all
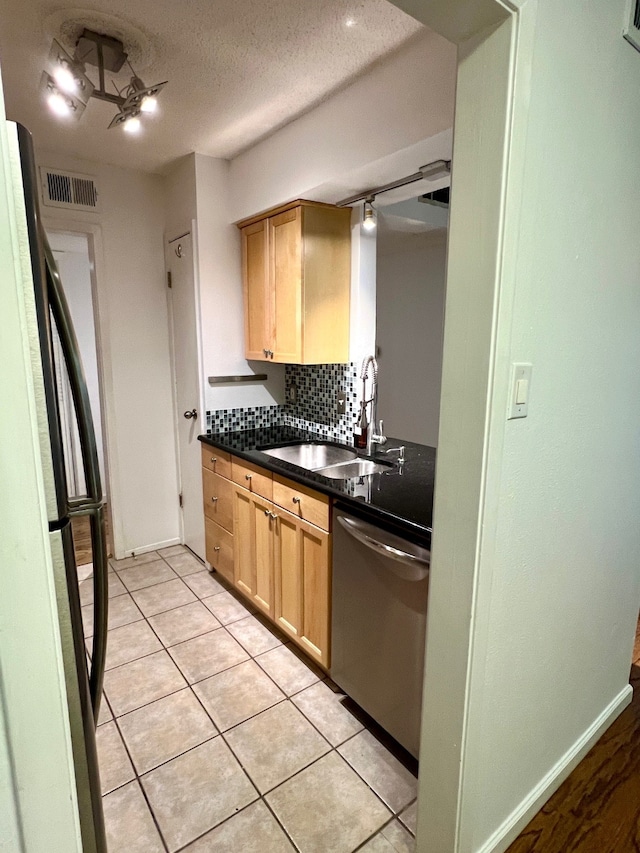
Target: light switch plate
(519, 390)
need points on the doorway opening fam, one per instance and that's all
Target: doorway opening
(73, 256)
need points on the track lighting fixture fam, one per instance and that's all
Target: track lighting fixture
(62, 103)
(67, 88)
(136, 99)
(435, 170)
(368, 216)
(68, 73)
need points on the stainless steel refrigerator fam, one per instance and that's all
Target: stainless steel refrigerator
(83, 676)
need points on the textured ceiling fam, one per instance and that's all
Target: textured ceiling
(237, 69)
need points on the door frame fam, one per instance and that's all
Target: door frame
(170, 237)
(495, 45)
(111, 486)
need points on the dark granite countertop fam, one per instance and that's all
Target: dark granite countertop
(400, 499)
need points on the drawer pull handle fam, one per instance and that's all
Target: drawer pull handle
(248, 476)
(213, 500)
(217, 548)
(296, 500)
(213, 460)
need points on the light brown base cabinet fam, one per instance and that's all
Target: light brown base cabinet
(278, 558)
(302, 575)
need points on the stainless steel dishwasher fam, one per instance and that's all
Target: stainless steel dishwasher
(379, 614)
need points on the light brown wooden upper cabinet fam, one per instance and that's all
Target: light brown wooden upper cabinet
(296, 266)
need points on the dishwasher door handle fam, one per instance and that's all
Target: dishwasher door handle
(360, 531)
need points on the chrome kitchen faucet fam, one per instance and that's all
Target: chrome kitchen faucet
(373, 437)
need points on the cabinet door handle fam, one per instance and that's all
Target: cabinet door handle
(248, 476)
(266, 512)
(266, 353)
(216, 548)
(273, 515)
(213, 500)
(213, 460)
(296, 500)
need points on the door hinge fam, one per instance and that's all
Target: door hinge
(180, 498)
(169, 281)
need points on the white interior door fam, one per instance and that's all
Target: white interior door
(189, 418)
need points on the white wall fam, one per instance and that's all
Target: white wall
(220, 281)
(134, 342)
(362, 308)
(409, 332)
(565, 573)
(180, 197)
(387, 110)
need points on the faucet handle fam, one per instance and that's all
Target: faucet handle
(380, 437)
(399, 450)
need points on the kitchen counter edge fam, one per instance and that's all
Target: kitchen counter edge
(393, 522)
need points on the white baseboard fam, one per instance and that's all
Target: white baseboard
(143, 549)
(531, 805)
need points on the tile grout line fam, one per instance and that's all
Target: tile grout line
(286, 697)
(138, 780)
(374, 834)
(221, 734)
(289, 698)
(260, 798)
(138, 777)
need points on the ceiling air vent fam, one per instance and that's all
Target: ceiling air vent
(69, 190)
(632, 30)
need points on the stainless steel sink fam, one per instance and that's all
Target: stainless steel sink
(357, 468)
(312, 456)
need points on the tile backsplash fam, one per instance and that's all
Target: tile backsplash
(311, 393)
(232, 420)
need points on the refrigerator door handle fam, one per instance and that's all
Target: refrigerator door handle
(100, 608)
(95, 514)
(91, 505)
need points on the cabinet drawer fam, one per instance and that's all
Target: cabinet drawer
(301, 501)
(219, 548)
(252, 477)
(218, 461)
(218, 499)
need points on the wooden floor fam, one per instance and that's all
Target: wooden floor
(597, 809)
(82, 538)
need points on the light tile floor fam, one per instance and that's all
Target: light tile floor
(216, 734)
